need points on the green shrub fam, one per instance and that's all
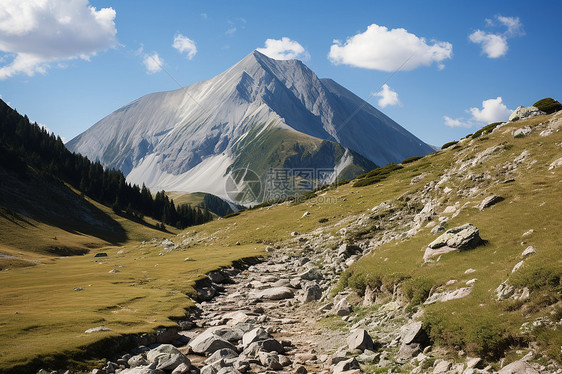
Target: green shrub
(548, 105)
(447, 145)
(376, 175)
(519, 136)
(323, 220)
(411, 159)
(538, 278)
(486, 129)
(416, 290)
(233, 214)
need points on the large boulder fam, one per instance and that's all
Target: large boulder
(458, 238)
(142, 370)
(360, 339)
(255, 335)
(489, 201)
(342, 308)
(412, 333)
(275, 293)
(518, 367)
(311, 293)
(167, 357)
(346, 365)
(208, 343)
(523, 112)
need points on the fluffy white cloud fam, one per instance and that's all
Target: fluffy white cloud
(455, 122)
(495, 45)
(387, 96)
(284, 49)
(493, 110)
(185, 45)
(153, 63)
(388, 50)
(35, 33)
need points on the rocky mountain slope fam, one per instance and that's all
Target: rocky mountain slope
(445, 264)
(259, 114)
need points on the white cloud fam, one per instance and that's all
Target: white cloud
(185, 45)
(382, 49)
(204, 15)
(493, 110)
(37, 33)
(514, 25)
(284, 49)
(495, 45)
(153, 63)
(455, 122)
(387, 96)
(231, 30)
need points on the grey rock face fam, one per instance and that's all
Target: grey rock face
(412, 332)
(311, 293)
(489, 201)
(207, 343)
(459, 238)
(523, 112)
(360, 339)
(346, 365)
(518, 367)
(276, 293)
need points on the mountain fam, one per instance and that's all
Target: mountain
(259, 114)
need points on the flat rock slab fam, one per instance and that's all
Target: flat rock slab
(275, 293)
(459, 238)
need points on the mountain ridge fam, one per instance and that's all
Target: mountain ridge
(165, 139)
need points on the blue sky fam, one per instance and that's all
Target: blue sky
(466, 64)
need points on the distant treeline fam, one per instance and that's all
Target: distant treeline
(23, 143)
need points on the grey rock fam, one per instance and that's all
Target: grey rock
(311, 274)
(271, 345)
(255, 335)
(525, 112)
(346, 365)
(301, 370)
(408, 351)
(162, 350)
(172, 362)
(524, 131)
(137, 360)
(489, 201)
(97, 329)
(208, 343)
(342, 308)
(459, 238)
(412, 332)
(181, 369)
(360, 339)
(206, 293)
(228, 370)
(270, 360)
(530, 250)
(311, 293)
(141, 370)
(441, 366)
(231, 334)
(275, 293)
(518, 367)
(223, 353)
(218, 277)
(448, 295)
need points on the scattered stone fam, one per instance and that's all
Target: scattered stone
(206, 293)
(311, 274)
(113, 271)
(518, 367)
(408, 351)
(522, 131)
(221, 354)
(137, 360)
(346, 365)
(301, 370)
(448, 295)
(181, 369)
(489, 201)
(305, 214)
(555, 164)
(141, 370)
(97, 329)
(78, 289)
(525, 112)
(342, 308)
(208, 343)
(275, 293)
(360, 339)
(530, 250)
(441, 366)
(311, 293)
(528, 233)
(459, 238)
(517, 266)
(255, 335)
(472, 362)
(412, 333)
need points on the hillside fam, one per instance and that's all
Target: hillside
(364, 246)
(259, 114)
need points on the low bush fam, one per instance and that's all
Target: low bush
(548, 105)
(376, 175)
(449, 144)
(486, 129)
(411, 159)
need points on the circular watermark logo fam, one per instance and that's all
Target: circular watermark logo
(244, 186)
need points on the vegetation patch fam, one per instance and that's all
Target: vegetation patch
(449, 144)
(548, 105)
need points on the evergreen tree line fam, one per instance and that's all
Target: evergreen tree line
(23, 143)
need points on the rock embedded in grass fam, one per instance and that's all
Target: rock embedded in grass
(459, 238)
